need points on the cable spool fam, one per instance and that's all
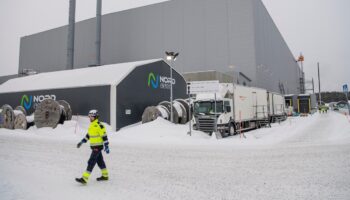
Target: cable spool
(67, 109)
(187, 107)
(48, 114)
(20, 118)
(175, 111)
(151, 113)
(181, 111)
(20, 122)
(7, 117)
(165, 113)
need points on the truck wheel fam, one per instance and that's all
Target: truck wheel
(231, 129)
(223, 134)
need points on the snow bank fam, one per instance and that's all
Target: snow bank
(331, 127)
(160, 131)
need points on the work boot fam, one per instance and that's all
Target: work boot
(81, 180)
(102, 178)
(84, 179)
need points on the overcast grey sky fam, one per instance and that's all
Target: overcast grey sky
(320, 29)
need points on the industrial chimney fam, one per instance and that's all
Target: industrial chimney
(71, 32)
(98, 32)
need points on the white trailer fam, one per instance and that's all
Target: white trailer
(249, 103)
(276, 107)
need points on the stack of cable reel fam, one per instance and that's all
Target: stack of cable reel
(50, 113)
(181, 111)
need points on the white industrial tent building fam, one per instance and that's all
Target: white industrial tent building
(119, 91)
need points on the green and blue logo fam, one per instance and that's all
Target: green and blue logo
(153, 80)
(31, 101)
(27, 102)
(161, 82)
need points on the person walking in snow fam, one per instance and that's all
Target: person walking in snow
(98, 141)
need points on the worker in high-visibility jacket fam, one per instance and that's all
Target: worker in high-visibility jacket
(98, 141)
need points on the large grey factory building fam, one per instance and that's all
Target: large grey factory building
(209, 35)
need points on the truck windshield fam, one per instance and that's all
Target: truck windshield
(207, 107)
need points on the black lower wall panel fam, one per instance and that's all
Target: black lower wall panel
(143, 87)
(80, 99)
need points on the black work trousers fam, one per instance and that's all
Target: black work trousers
(96, 157)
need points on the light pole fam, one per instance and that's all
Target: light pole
(171, 56)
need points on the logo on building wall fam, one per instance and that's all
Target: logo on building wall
(157, 81)
(26, 102)
(153, 80)
(32, 101)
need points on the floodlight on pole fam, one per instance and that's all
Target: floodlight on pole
(171, 56)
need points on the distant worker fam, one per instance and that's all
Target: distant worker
(98, 141)
(321, 109)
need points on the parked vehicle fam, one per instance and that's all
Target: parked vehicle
(276, 107)
(236, 108)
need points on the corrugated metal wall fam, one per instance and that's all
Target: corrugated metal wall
(45, 51)
(275, 63)
(210, 35)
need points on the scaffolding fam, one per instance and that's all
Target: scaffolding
(302, 74)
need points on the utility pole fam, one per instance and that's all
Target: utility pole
(319, 83)
(346, 91)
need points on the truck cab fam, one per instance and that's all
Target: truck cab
(205, 115)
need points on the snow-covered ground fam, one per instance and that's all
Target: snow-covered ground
(301, 158)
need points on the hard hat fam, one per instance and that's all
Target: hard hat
(93, 113)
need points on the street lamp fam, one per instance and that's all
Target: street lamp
(171, 56)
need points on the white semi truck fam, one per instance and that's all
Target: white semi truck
(238, 108)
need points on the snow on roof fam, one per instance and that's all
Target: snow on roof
(83, 77)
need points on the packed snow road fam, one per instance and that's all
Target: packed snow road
(301, 158)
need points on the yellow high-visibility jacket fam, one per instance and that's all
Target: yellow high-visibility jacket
(96, 134)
